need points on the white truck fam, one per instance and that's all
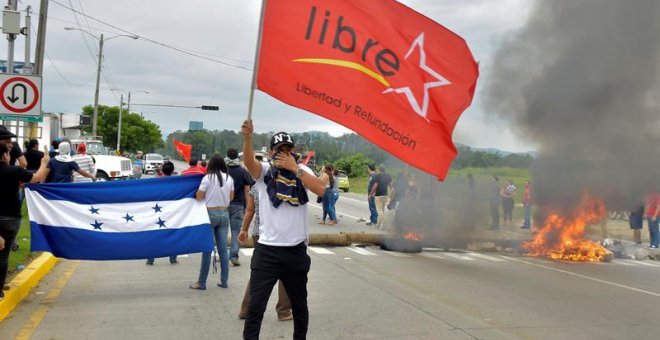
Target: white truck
(108, 167)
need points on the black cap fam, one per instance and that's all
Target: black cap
(4, 133)
(279, 139)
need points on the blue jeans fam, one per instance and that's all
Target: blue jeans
(653, 231)
(330, 197)
(220, 225)
(527, 222)
(235, 221)
(373, 217)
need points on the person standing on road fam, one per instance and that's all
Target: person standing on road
(60, 169)
(33, 156)
(494, 202)
(85, 162)
(507, 193)
(636, 221)
(527, 205)
(193, 169)
(373, 213)
(400, 188)
(217, 190)
(242, 184)
(283, 306)
(11, 178)
(281, 252)
(166, 170)
(470, 204)
(329, 181)
(653, 218)
(379, 192)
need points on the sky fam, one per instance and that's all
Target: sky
(226, 32)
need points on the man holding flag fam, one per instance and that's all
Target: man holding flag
(281, 252)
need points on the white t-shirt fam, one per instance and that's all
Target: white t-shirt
(285, 225)
(216, 195)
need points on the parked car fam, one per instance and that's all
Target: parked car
(343, 181)
(152, 161)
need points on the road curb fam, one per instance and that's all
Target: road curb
(27, 279)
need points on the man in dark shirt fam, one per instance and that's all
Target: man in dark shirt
(11, 178)
(242, 184)
(32, 155)
(379, 192)
(15, 152)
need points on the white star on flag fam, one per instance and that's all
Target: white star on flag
(439, 80)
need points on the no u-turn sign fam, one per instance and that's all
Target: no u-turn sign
(21, 95)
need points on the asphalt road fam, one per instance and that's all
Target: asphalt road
(354, 293)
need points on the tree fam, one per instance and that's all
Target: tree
(136, 132)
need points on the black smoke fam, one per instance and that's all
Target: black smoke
(581, 79)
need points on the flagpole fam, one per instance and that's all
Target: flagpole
(256, 59)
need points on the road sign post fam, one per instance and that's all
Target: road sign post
(20, 97)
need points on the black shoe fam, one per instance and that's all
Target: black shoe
(524, 227)
(14, 246)
(149, 263)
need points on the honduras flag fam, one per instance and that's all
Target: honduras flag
(119, 220)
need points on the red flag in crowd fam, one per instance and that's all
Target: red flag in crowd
(183, 149)
(388, 73)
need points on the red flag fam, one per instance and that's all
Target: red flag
(183, 149)
(379, 68)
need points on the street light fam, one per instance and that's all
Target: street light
(98, 68)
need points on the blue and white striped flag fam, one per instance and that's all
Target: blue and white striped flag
(119, 220)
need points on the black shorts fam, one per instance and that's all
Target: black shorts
(636, 221)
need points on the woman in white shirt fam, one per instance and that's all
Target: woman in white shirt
(217, 190)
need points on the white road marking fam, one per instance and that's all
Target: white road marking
(361, 251)
(588, 277)
(247, 251)
(625, 263)
(647, 264)
(396, 253)
(432, 256)
(458, 256)
(321, 251)
(487, 257)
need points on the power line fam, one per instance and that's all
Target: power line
(175, 48)
(52, 63)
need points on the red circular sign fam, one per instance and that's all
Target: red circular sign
(25, 80)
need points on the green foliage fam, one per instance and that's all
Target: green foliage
(354, 165)
(480, 159)
(136, 132)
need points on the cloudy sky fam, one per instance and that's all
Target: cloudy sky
(225, 31)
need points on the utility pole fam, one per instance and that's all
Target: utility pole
(11, 37)
(121, 108)
(27, 65)
(96, 92)
(41, 38)
(128, 106)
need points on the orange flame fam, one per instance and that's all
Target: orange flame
(412, 236)
(562, 237)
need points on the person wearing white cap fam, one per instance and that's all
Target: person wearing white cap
(60, 169)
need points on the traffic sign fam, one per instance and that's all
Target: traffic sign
(20, 95)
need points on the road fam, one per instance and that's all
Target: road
(354, 293)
